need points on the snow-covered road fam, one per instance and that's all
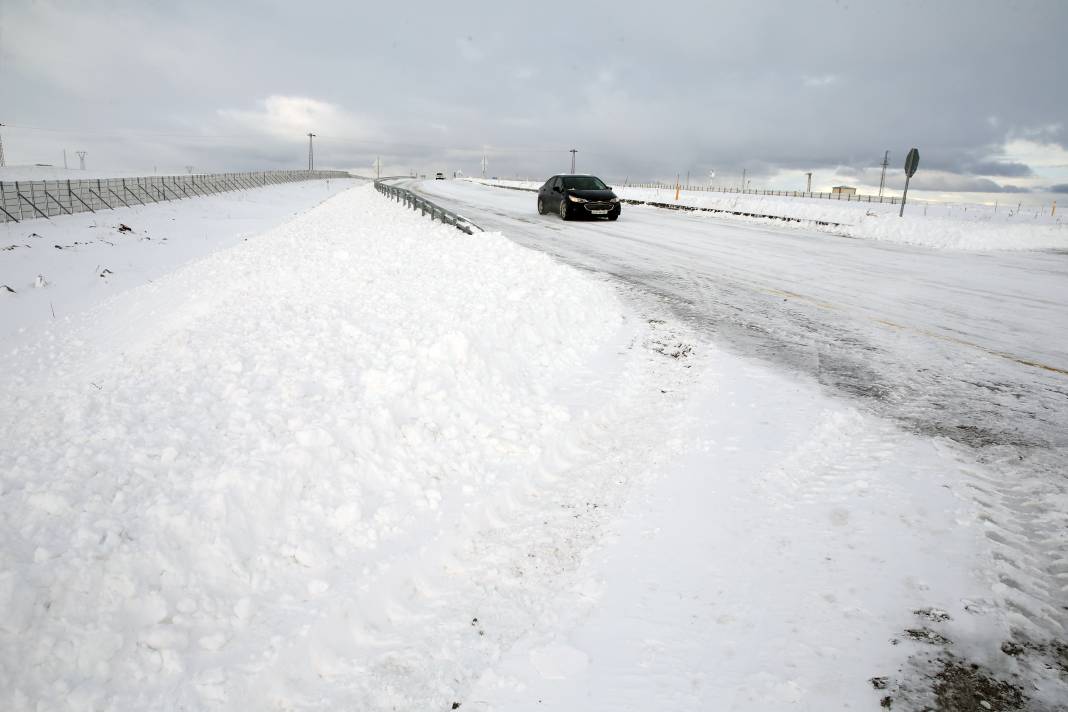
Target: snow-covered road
(926, 333)
(968, 346)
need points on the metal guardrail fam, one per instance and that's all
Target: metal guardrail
(417, 202)
(26, 200)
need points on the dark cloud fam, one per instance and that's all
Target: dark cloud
(1059, 188)
(1007, 169)
(950, 183)
(943, 182)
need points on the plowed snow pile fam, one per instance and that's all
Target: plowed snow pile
(192, 477)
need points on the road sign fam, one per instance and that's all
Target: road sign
(912, 162)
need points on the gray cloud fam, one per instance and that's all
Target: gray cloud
(933, 180)
(1059, 188)
(1007, 169)
(1010, 189)
(650, 92)
(953, 183)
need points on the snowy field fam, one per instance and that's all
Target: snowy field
(54, 269)
(942, 226)
(359, 460)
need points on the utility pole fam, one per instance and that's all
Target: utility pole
(809, 174)
(378, 167)
(2, 164)
(311, 152)
(743, 180)
(882, 179)
(64, 159)
(81, 158)
(483, 165)
(573, 152)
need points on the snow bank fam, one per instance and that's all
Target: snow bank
(939, 226)
(956, 234)
(196, 469)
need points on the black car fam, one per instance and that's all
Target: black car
(574, 196)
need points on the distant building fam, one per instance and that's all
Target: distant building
(843, 190)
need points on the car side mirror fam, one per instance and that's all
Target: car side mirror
(556, 189)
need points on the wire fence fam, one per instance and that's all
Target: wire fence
(28, 200)
(845, 197)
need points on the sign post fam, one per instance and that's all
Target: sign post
(912, 162)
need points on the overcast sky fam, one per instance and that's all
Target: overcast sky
(643, 90)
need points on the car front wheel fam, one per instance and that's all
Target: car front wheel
(541, 206)
(565, 214)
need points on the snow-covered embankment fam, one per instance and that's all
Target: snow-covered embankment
(234, 486)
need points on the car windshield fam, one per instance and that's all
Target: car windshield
(584, 183)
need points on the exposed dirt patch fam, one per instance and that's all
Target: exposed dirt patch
(1029, 675)
(668, 344)
(674, 349)
(1052, 655)
(926, 635)
(935, 615)
(945, 683)
(964, 687)
(1023, 674)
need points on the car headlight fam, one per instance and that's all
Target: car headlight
(575, 199)
(613, 200)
